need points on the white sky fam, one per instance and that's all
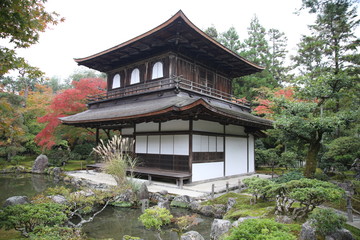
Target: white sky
(92, 26)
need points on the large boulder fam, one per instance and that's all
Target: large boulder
(164, 204)
(58, 199)
(341, 234)
(307, 232)
(41, 162)
(15, 200)
(218, 228)
(143, 192)
(231, 202)
(181, 201)
(192, 235)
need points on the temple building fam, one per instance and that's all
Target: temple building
(170, 90)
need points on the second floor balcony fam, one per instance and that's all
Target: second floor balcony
(176, 83)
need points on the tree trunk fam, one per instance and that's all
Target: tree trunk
(311, 159)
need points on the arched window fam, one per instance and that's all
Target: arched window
(135, 76)
(116, 81)
(157, 71)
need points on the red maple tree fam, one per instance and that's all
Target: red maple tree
(65, 103)
(264, 106)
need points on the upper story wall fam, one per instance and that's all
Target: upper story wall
(165, 66)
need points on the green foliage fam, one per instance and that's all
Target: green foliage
(155, 218)
(58, 156)
(83, 150)
(261, 229)
(26, 217)
(21, 21)
(55, 233)
(326, 221)
(287, 177)
(309, 193)
(258, 186)
(341, 153)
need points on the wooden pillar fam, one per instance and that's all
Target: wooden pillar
(190, 145)
(97, 137)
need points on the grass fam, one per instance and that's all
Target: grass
(268, 170)
(355, 231)
(242, 208)
(10, 234)
(28, 162)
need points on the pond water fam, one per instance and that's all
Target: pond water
(113, 222)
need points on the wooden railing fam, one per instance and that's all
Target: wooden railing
(174, 82)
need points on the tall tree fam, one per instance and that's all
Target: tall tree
(278, 51)
(212, 32)
(326, 61)
(21, 21)
(256, 49)
(230, 39)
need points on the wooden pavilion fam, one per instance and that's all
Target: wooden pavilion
(170, 89)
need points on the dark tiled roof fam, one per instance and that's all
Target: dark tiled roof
(176, 103)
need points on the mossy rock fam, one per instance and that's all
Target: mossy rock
(179, 204)
(121, 204)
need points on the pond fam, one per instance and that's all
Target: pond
(113, 222)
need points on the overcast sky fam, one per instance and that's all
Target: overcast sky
(92, 26)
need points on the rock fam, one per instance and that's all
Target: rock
(58, 199)
(40, 164)
(85, 193)
(143, 192)
(56, 171)
(284, 219)
(218, 228)
(195, 206)
(164, 192)
(127, 237)
(307, 232)
(192, 235)
(164, 204)
(219, 210)
(240, 220)
(181, 201)
(156, 197)
(15, 200)
(124, 197)
(206, 210)
(231, 202)
(341, 234)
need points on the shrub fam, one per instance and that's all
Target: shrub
(55, 233)
(264, 229)
(57, 157)
(308, 193)
(83, 150)
(155, 218)
(326, 221)
(26, 217)
(258, 186)
(287, 177)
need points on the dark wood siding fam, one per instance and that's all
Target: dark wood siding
(162, 161)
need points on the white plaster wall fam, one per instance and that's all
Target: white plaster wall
(212, 144)
(154, 144)
(207, 126)
(196, 143)
(251, 153)
(203, 171)
(147, 127)
(175, 125)
(141, 144)
(167, 144)
(235, 156)
(234, 129)
(181, 144)
(127, 131)
(204, 143)
(220, 144)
